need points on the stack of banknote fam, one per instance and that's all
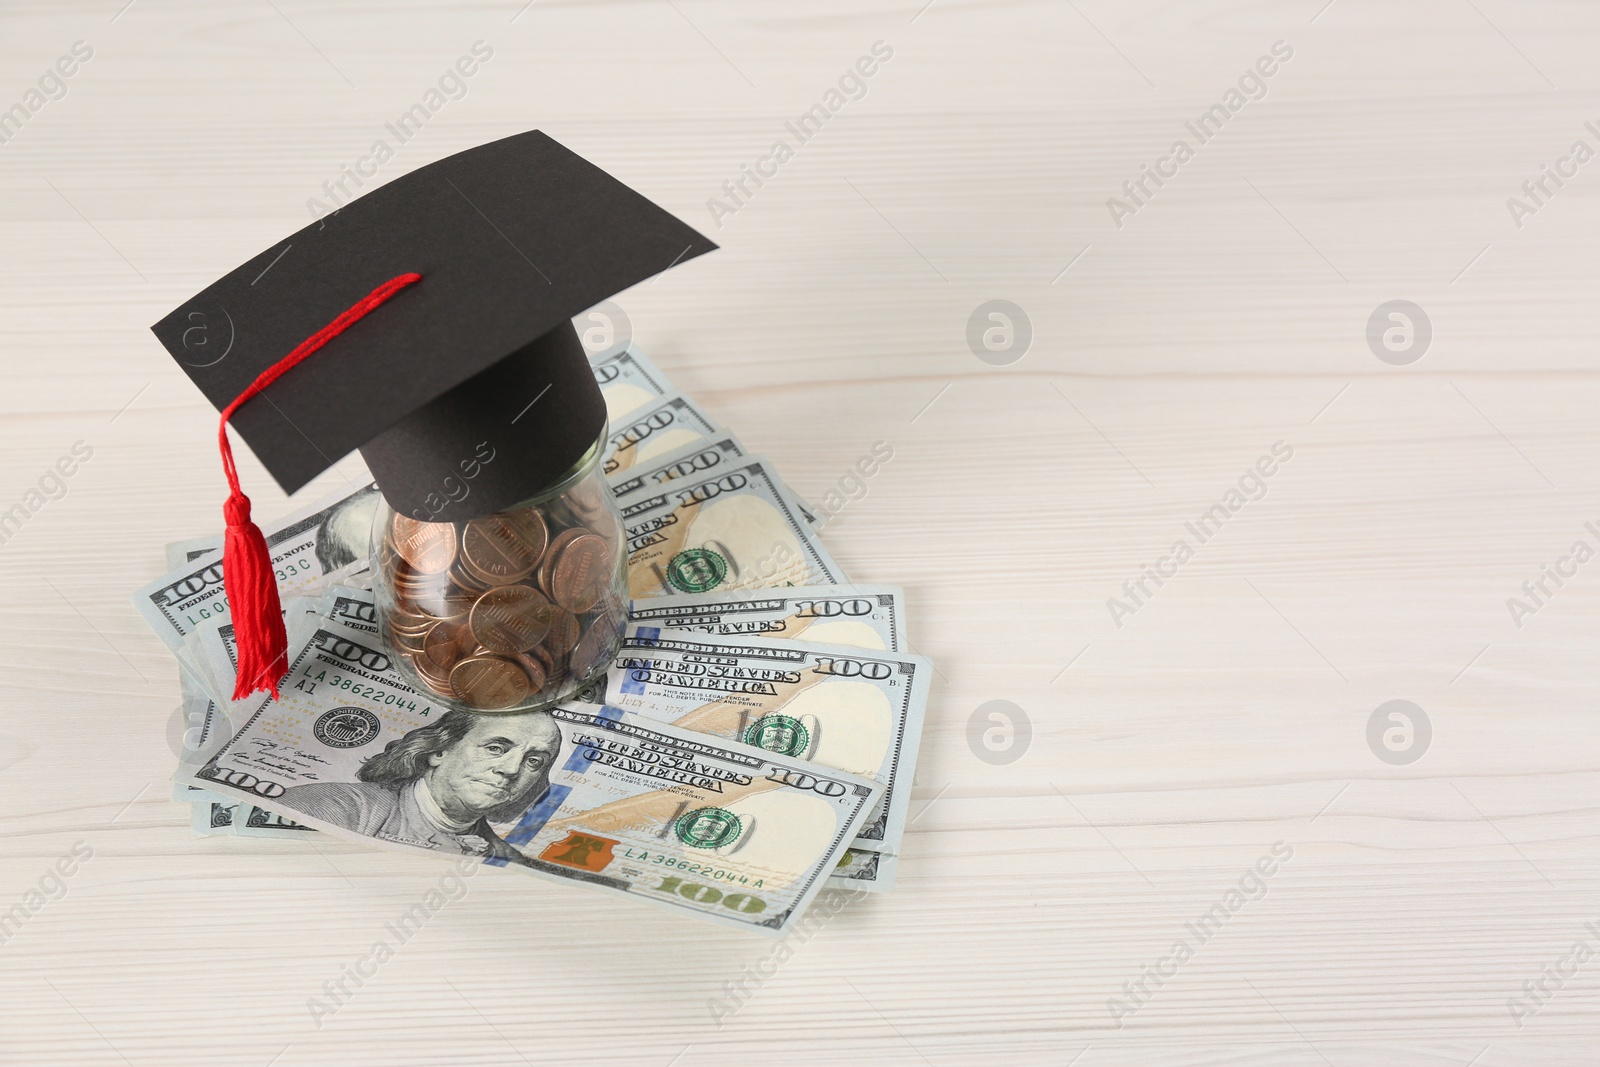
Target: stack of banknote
(753, 742)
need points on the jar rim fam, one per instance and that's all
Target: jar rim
(575, 474)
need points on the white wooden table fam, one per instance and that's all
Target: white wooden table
(1227, 712)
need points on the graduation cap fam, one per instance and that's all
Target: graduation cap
(442, 306)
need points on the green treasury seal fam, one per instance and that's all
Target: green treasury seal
(696, 570)
(708, 827)
(779, 733)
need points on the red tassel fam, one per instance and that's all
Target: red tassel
(247, 574)
(253, 601)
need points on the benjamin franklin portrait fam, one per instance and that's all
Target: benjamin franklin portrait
(342, 537)
(441, 785)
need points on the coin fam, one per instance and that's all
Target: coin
(418, 590)
(448, 603)
(421, 591)
(494, 549)
(595, 647)
(410, 577)
(531, 524)
(410, 647)
(551, 554)
(511, 618)
(548, 662)
(431, 676)
(430, 547)
(563, 635)
(446, 644)
(489, 682)
(586, 501)
(407, 623)
(582, 573)
(533, 669)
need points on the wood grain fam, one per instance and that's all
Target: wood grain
(1168, 754)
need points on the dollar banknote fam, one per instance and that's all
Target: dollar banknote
(212, 818)
(202, 730)
(736, 527)
(672, 422)
(181, 552)
(199, 720)
(218, 650)
(598, 796)
(845, 708)
(696, 458)
(870, 872)
(862, 616)
(252, 820)
(326, 539)
(350, 608)
(628, 381)
(211, 651)
(194, 674)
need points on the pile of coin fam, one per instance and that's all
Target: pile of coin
(505, 609)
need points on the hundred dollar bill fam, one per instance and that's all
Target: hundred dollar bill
(347, 607)
(214, 650)
(671, 423)
(871, 872)
(194, 676)
(204, 728)
(694, 459)
(351, 608)
(213, 817)
(862, 616)
(306, 547)
(845, 708)
(181, 552)
(628, 381)
(579, 793)
(252, 820)
(201, 724)
(736, 527)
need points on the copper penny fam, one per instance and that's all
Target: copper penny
(497, 548)
(447, 644)
(411, 642)
(582, 573)
(586, 501)
(431, 676)
(400, 619)
(489, 682)
(447, 603)
(563, 635)
(533, 669)
(512, 618)
(488, 581)
(411, 578)
(532, 525)
(430, 547)
(548, 563)
(462, 577)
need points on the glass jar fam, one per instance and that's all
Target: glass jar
(511, 611)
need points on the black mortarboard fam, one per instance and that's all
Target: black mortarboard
(512, 239)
